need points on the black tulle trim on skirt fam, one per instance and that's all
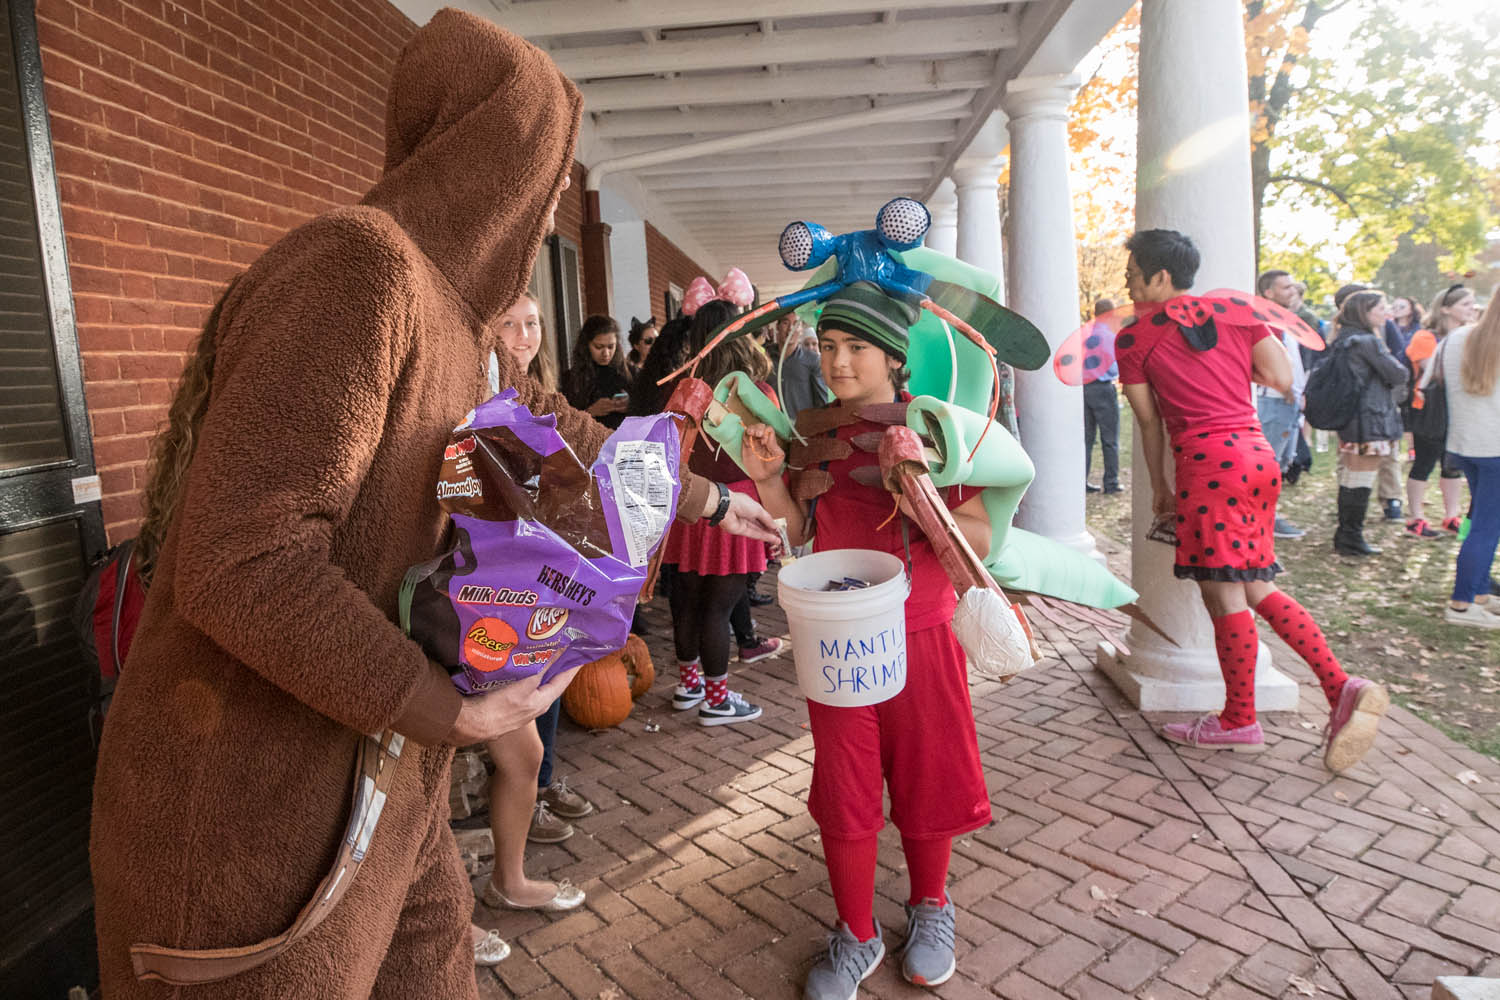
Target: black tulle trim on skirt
(1227, 574)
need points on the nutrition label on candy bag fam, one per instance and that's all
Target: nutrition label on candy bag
(643, 495)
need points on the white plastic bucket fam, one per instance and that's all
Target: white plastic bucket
(849, 646)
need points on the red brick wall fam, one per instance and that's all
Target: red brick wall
(188, 136)
(570, 209)
(666, 263)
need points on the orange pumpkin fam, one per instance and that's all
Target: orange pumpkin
(599, 696)
(638, 666)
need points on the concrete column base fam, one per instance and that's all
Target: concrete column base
(1084, 542)
(1465, 988)
(1196, 687)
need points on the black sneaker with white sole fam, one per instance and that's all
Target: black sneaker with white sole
(684, 697)
(727, 712)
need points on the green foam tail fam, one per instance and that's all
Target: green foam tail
(1027, 561)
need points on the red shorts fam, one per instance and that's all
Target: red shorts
(921, 743)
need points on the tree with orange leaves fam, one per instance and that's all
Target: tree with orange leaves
(1277, 34)
(1101, 139)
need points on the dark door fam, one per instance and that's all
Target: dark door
(50, 524)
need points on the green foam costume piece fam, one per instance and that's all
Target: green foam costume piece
(729, 433)
(1018, 559)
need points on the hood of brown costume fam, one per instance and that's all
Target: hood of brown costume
(480, 132)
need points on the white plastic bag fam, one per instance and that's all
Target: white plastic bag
(991, 635)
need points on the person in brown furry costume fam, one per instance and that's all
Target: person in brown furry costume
(291, 491)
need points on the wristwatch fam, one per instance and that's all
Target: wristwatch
(722, 509)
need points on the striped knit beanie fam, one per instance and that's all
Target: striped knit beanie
(867, 312)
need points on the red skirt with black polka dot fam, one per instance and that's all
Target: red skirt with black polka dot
(1227, 486)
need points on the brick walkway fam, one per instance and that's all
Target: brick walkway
(1118, 865)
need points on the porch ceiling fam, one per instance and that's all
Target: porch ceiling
(662, 74)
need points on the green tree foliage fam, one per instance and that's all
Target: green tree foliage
(1393, 135)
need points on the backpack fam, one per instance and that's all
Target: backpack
(108, 609)
(1332, 392)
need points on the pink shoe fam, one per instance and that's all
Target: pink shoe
(763, 650)
(1208, 733)
(1353, 721)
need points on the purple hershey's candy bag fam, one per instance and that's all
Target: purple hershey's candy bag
(549, 556)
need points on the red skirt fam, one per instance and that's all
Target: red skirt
(707, 551)
(1227, 486)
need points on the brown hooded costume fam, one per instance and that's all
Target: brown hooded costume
(346, 354)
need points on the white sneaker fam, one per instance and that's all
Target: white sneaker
(1475, 616)
(734, 708)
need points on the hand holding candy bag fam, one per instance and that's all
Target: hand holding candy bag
(548, 556)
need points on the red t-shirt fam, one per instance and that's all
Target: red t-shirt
(846, 518)
(1195, 390)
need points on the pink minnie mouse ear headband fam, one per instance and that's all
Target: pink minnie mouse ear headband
(735, 289)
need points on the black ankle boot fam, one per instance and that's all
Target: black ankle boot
(1349, 539)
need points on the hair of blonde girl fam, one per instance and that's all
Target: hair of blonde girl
(1437, 321)
(1481, 361)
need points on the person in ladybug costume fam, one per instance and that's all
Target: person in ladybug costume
(1186, 364)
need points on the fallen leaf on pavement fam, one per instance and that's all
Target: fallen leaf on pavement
(1302, 986)
(1469, 777)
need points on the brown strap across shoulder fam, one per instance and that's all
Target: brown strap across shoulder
(374, 770)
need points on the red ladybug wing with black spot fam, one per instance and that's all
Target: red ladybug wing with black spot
(1244, 309)
(1089, 349)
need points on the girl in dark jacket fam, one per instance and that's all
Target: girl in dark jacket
(1376, 423)
(596, 380)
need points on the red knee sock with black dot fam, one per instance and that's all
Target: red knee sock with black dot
(927, 867)
(1237, 643)
(1298, 630)
(851, 876)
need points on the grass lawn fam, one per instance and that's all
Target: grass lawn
(1382, 614)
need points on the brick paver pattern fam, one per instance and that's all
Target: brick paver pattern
(1118, 865)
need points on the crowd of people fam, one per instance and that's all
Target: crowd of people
(292, 491)
(1410, 409)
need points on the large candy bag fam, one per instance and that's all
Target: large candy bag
(548, 556)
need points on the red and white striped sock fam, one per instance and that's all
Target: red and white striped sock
(717, 690)
(690, 674)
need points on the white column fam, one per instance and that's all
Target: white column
(1193, 175)
(943, 236)
(632, 281)
(978, 238)
(1044, 289)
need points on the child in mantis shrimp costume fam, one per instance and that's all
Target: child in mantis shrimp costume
(832, 491)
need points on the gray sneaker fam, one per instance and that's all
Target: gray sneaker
(927, 957)
(848, 963)
(1286, 529)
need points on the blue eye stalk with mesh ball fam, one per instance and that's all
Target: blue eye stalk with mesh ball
(862, 256)
(873, 255)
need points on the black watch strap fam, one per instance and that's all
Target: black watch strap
(722, 509)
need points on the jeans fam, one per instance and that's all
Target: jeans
(1101, 413)
(1278, 422)
(1477, 553)
(546, 728)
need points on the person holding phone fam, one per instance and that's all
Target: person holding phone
(596, 381)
